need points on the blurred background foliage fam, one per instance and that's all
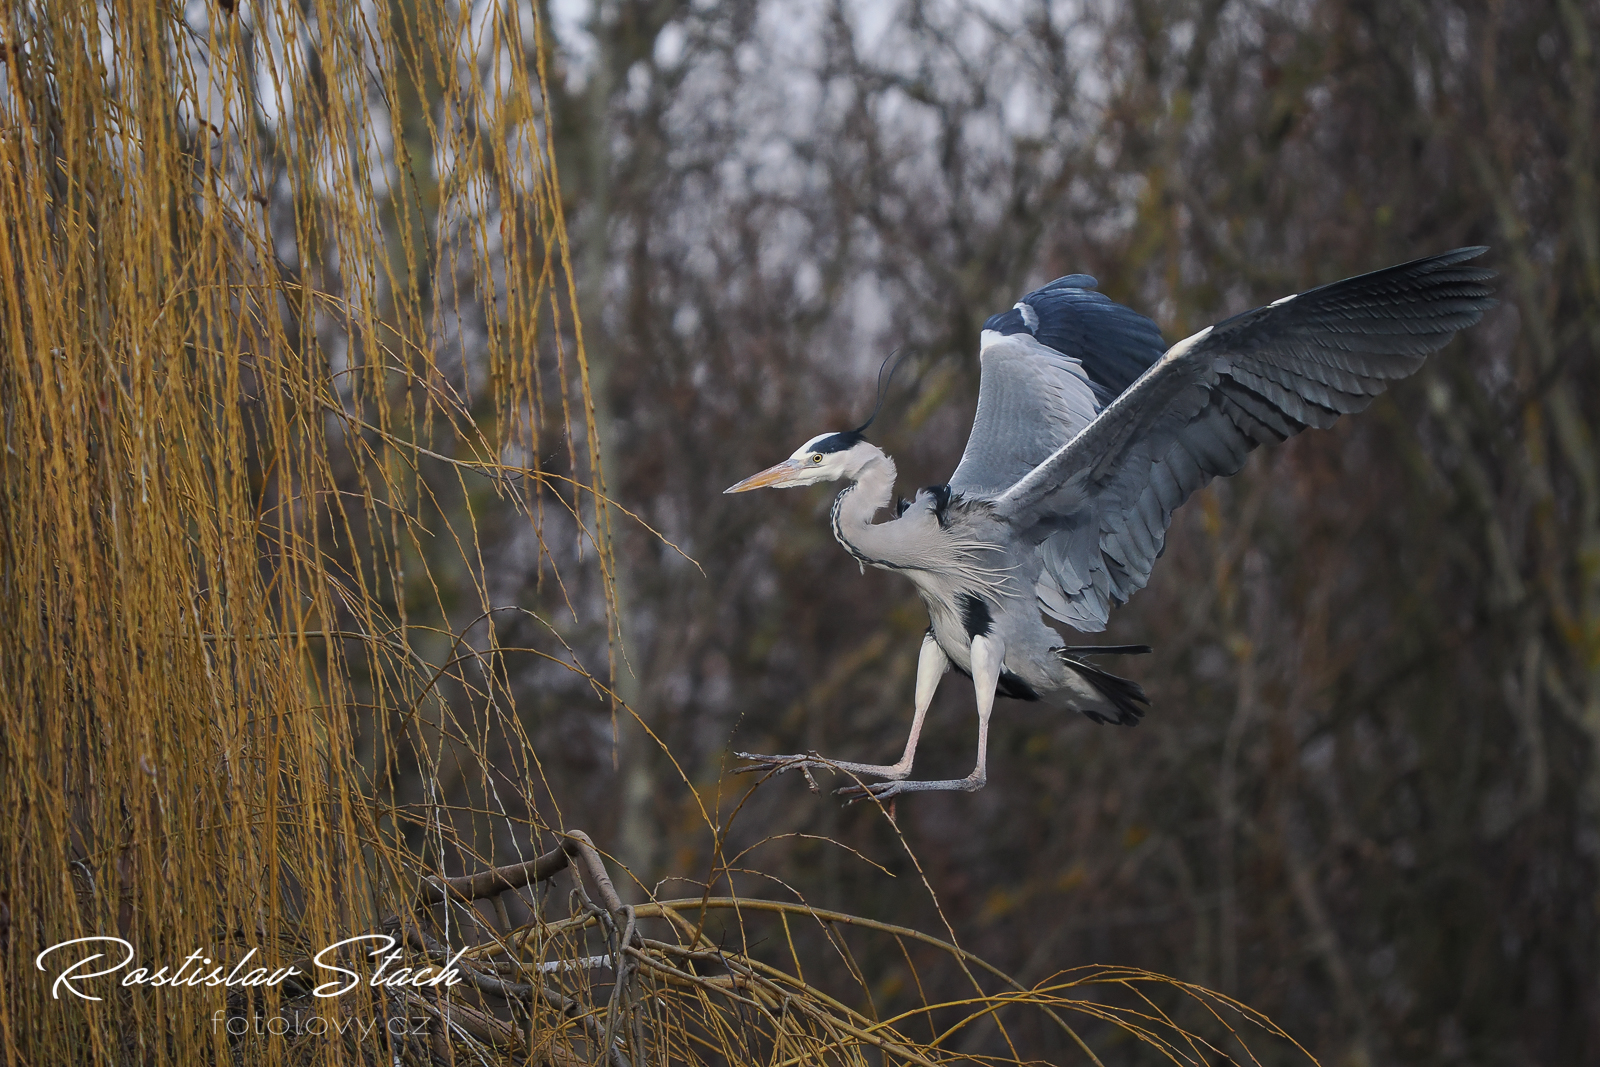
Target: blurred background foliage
(1367, 798)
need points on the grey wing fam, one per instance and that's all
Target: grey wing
(1099, 507)
(1049, 366)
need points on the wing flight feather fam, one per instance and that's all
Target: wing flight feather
(1099, 506)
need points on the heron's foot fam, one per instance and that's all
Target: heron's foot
(812, 760)
(775, 763)
(884, 790)
(779, 764)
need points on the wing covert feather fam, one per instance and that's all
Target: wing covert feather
(1049, 366)
(1099, 506)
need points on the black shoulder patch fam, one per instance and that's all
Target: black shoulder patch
(941, 500)
(975, 615)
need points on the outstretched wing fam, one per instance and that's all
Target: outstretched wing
(1099, 506)
(1050, 365)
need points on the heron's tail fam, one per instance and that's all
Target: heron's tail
(1074, 651)
(1122, 696)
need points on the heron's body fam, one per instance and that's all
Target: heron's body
(954, 551)
(1089, 433)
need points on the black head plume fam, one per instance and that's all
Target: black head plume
(883, 388)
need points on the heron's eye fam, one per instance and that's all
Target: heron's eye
(816, 457)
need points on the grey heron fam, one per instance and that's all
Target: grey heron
(1089, 433)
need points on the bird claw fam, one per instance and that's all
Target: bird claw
(881, 791)
(805, 763)
(778, 763)
(854, 794)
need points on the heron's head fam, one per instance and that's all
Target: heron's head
(825, 458)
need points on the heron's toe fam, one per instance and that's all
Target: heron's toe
(769, 763)
(853, 794)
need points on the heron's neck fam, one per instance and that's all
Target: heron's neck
(856, 507)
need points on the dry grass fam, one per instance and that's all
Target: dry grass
(253, 434)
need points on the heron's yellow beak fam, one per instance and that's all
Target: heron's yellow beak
(777, 476)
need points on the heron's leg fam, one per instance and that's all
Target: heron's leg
(988, 653)
(931, 666)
